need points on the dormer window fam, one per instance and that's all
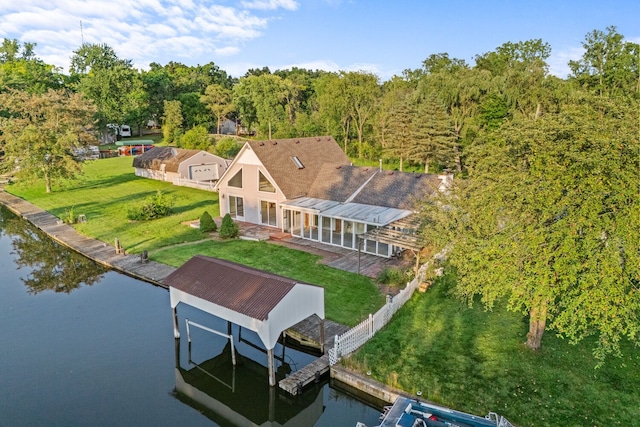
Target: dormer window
(297, 161)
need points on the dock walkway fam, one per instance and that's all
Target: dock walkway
(98, 251)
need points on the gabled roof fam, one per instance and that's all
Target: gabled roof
(170, 156)
(237, 287)
(314, 154)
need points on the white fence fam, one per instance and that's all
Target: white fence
(354, 338)
(201, 185)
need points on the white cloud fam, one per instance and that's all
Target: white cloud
(270, 4)
(143, 30)
(559, 60)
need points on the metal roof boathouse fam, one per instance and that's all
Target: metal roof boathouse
(262, 302)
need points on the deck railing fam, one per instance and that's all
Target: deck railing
(357, 336)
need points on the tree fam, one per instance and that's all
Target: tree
(333, 106)
(609, 66)
(196, 138)
(362, 93)
(432, 139)
(218, 99)
(265, 93)
(547, 221)
(110, 82)
(21, 70)
(41, 132)
(172, 122)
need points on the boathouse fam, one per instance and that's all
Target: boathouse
(262, 302)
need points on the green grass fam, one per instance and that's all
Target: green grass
(109, 186)
(103, 194)
(349, 297)
(475, 361)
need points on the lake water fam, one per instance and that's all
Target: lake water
(83, 346)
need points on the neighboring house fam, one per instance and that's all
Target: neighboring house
(307, 187)
(176, 165)
(228, 127)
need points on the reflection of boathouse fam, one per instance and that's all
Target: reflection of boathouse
(241, 396)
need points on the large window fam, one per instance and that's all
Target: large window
(265, 184)
(236, 180)
(268, 213)
(236, 207)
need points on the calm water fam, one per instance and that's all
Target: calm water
(83, 346)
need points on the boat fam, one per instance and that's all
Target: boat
(407, 412)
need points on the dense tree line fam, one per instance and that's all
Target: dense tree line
(544, 215)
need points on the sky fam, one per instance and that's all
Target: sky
(384, 37)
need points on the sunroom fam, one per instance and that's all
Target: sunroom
(340, 224)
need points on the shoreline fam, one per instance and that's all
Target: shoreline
(154, 273)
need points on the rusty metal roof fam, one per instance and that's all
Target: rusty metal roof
(242, 289)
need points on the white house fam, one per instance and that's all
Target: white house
(308, 187)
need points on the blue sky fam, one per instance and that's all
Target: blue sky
(383, 37)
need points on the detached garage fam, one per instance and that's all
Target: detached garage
(180, 166)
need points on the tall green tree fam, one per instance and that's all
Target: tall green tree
(218, 99)
(362, 92)
(266, 94)
(172, 122)
(41, 131)
(548, 222)
(610, 66)
(107, 80)
(20, 69)
(432, 139)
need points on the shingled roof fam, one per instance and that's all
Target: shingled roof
(338, 184)
(170, 156)
(254, 293)
(315, 154)
(399, 190)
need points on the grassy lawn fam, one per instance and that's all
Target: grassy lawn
(349, 297)
(104, 193)
(109, 186)
(475, 361)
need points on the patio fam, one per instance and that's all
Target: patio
(333, 256)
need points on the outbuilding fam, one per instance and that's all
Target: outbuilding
(265, 303)
(176, 165)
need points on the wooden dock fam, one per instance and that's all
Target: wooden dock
(307, 332)
(93, 249)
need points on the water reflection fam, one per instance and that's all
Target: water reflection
(50, 266)
(240, 395)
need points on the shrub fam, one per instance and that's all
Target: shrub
(156, 206)
(228, 228)
(393, 276)
(69, 216)
(207, 224)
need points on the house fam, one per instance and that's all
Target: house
(308, 187)
(177, 165)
